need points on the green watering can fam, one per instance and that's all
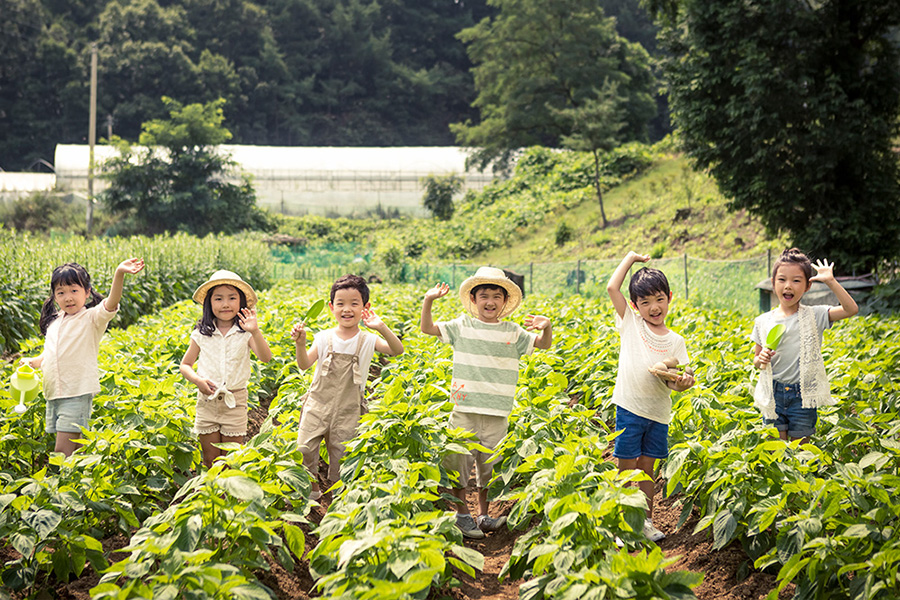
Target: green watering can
(774, 337)
(24, 385)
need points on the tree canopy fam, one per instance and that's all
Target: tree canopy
(292, 72)
(177, 180)
(792, 106)
(535, 59)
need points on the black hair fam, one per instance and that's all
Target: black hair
(67, 274)
(793, 256)
(488, 286)
(647, 282)
(207, 323)
(351, 282)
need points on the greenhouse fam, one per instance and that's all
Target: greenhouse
(343, 181)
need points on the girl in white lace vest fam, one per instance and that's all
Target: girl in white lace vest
(792, 382)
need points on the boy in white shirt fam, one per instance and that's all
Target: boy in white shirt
(643, 406)
(334, 403)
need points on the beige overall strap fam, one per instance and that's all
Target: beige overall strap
(357, 374)
(325, 365)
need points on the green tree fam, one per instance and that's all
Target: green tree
(792, 107)
(39, 70)
(534, 60)
(439, 192)
(177, 180)
(596, 126)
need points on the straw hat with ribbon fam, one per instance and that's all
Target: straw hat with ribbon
(490, 276)
(226, 278)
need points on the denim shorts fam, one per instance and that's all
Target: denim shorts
(641, 436)
(68, 415)
(792, 417)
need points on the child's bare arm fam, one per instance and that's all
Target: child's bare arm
(540, 323)
(685, 381)
(825, 274)
(258, 342)
(186, 368)
(132, 266)
(427, 325)
(391, 344)
(614, 287)
(305, 358)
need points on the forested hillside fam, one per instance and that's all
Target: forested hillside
(291, 72)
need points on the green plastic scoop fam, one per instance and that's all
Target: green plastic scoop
(774, 337)
(314, 310)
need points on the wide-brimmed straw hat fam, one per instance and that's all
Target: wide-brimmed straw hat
(226, 278)
(490, 276)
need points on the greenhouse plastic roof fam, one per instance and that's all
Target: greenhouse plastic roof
(71, 158)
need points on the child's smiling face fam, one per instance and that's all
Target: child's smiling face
(70, 297)
(489, 302)
(654, 308)
(789, 284)
(225, 302)
(347, 307)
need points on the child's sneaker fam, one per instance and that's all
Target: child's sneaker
(652, 533)
(486, 523)
(468, 527)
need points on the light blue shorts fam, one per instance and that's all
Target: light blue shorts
(69, 415)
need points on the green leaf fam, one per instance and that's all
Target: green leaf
(296, 541)
(724, 527)
(242, 488)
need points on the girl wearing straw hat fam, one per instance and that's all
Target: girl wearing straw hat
(486, 352)
(221, 343)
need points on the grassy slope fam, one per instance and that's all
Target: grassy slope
(641, 215)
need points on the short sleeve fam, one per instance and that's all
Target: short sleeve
(195, 336)
(525, 342)
(823, 321)
(449, 330)
(756, 334)
(100, 316)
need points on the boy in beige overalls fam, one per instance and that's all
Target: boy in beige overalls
(335, 401)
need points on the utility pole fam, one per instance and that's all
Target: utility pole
(92, 138)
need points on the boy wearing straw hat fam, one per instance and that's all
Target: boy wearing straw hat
(486, 352)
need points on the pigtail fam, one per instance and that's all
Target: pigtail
(48, 314)
(95, 299)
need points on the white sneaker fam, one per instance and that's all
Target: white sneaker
(652, 533)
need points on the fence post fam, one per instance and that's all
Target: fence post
(531, 277)
(578, 277)
(686, 287)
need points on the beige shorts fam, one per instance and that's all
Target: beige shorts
(489, 430)
(213, 416)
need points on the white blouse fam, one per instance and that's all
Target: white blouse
(224, 359)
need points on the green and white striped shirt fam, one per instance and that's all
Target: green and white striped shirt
(485, 363)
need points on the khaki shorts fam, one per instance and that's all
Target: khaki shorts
(213, 415)
(489, 430)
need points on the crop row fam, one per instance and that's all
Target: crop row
(175, 267)
(825, 514)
